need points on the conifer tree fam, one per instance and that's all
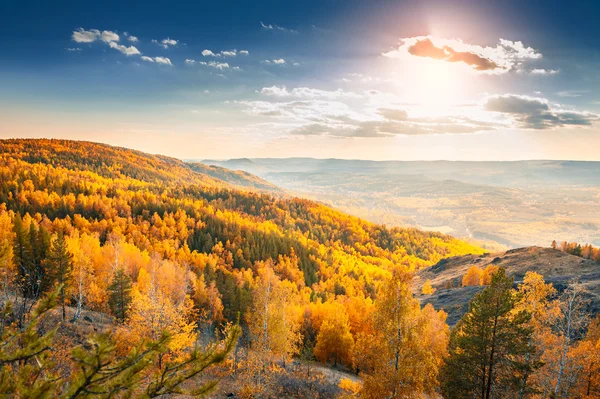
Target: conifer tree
(119, 297)
(58, 268)
(488, 344)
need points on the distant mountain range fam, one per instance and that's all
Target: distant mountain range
(512, 204)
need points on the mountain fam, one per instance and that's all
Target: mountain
(237, 178)
(513, 204)
(559, 268)
(115, 162)
(160, 204)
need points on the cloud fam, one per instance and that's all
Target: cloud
(166, 43)
(536, 113)
(85, 36)
(541, 71)
(109, 37)
(305, 92)
(73, 49)
(133, 39)
(334, 117)
(279, 61)
(189, 61)
(273, 27)
(131, 50)
(572, 93)
(224, 53)
(158, 60)
(505, 56)
(217, 65)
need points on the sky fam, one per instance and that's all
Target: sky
(381, 80)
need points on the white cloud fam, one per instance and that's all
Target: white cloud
(166, 43)
(85, 36)
(217, 65)
(572, 93)
(279, 61)
(274, 27)
(541, 71)
(306, 92)
(163, 60)
(131, 50)
(109, 37)
(73, 49)
(223, 53)
(505, 56)
(158, 60)
(133, 39)
(189, 61)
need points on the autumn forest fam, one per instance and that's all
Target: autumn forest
(124, 274)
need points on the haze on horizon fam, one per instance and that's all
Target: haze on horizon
(382, 81)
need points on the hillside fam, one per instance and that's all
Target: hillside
(109, 187)
(514, 204)
(557, 267)
(237, 178)
(115, 162)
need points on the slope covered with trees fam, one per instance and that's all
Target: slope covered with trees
(164, 248)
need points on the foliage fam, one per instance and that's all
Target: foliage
(99, 371)
(487, 345)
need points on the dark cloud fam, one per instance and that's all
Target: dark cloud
(536, 113)
(426, 48)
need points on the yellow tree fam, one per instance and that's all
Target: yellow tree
(472, 277)
(83, 248)
(334, 339)
(274, 321)
(153, 312)
(412, 343)
(427, 288)
(535, 299)
(7, 270)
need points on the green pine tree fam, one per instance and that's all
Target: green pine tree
(27, 369)
(119, 294)
(486, 346)
(59, 265)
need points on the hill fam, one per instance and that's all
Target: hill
(514, 204)
(162, 204)
(115, 162)
(559, 268)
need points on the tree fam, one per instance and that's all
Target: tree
(7, 271)
(427, 288)
(59, 267)
(572, 321)
(119, 297)
(83, 248)
(472, 277)
(535, 297)
(409, 343)
(487, 345)
(334, 340)
(98, 370)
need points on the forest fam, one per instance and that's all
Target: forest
(125, 274)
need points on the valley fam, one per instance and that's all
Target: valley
(495, 204)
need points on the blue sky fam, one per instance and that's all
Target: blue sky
(350, 79)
